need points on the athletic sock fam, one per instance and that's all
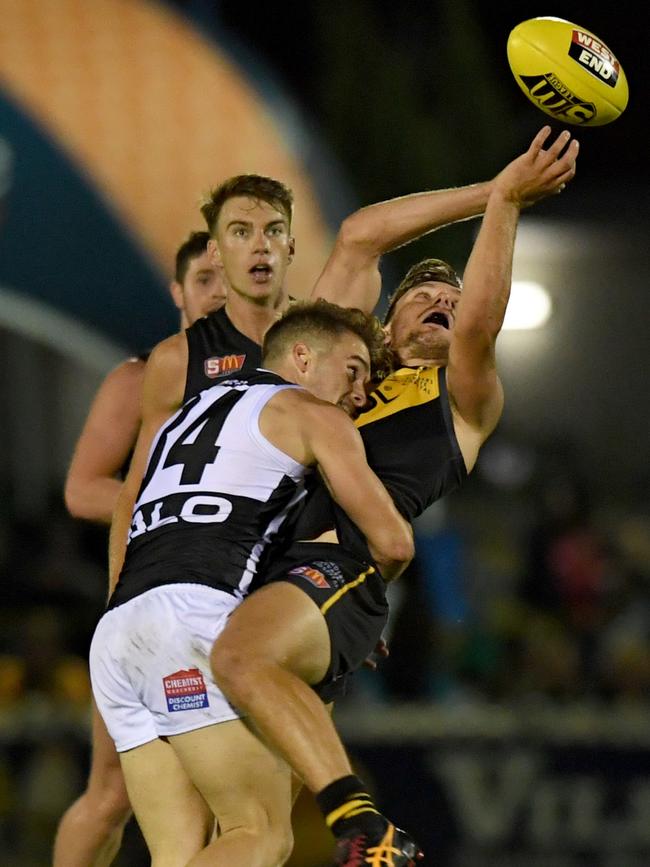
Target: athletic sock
(346, 804)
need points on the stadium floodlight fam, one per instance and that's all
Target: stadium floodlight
(529, 306)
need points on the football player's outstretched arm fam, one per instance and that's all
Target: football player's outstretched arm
(351, 275)
(474, 387)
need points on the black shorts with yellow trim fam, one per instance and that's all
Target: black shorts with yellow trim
(351, 595)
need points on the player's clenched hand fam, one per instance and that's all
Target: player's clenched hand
(380, 652)
(539, 172)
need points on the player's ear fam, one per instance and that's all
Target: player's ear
(387, 334)
(176, 291)
(214, 253)
(292, 247)
(301, 356)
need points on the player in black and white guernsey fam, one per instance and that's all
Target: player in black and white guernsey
(90, 830)
(422, 433)
(220, 480)
(214, 479)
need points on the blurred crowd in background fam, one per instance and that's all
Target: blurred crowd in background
(524, 590)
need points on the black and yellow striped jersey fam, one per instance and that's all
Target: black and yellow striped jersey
(411, 445)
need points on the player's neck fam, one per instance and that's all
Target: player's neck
(408, 360)
(250, 319)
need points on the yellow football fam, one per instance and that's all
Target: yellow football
(567, 71)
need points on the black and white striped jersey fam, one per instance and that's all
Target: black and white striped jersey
(215, 493)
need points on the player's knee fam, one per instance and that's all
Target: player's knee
(113, 810)
(274, 842)
(281, 846)
(233, 667)
(259, 830)
(108, 799)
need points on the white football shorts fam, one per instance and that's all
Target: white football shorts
(149, 663)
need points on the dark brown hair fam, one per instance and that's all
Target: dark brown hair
(257, 187)
(426, 271)
(195, 245)
(326, 321)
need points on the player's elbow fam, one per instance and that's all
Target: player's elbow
(74, 499)
(395, 552)
(355, 234)
(86, 500)
(403, 550)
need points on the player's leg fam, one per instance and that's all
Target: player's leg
(90, 832)
(248, 789)
(275, 645)
(175, 821)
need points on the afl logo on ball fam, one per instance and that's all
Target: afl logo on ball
(555, 98)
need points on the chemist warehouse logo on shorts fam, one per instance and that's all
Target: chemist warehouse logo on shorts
(185, 690)
(219, 365)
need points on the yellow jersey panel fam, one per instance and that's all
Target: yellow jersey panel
(403, 389)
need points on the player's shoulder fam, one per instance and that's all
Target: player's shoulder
(126, 375)
(170, 352)
(305, 407)
(164, 379)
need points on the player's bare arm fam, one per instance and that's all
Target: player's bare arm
(351, 275)
(474, 386)
(162, 395)
(92, 485)
(165, 376)
(315, 432)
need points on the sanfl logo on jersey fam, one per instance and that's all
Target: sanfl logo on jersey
(313, 575)
(222, 364)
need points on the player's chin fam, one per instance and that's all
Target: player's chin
(260, 293)
(426, 344)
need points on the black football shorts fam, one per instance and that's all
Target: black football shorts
(350, 594)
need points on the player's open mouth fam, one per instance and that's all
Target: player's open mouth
(436, 318)
(261, 272)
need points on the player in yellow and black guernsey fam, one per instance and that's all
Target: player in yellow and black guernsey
(249, 218)
(422, 435)
(408, 432)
